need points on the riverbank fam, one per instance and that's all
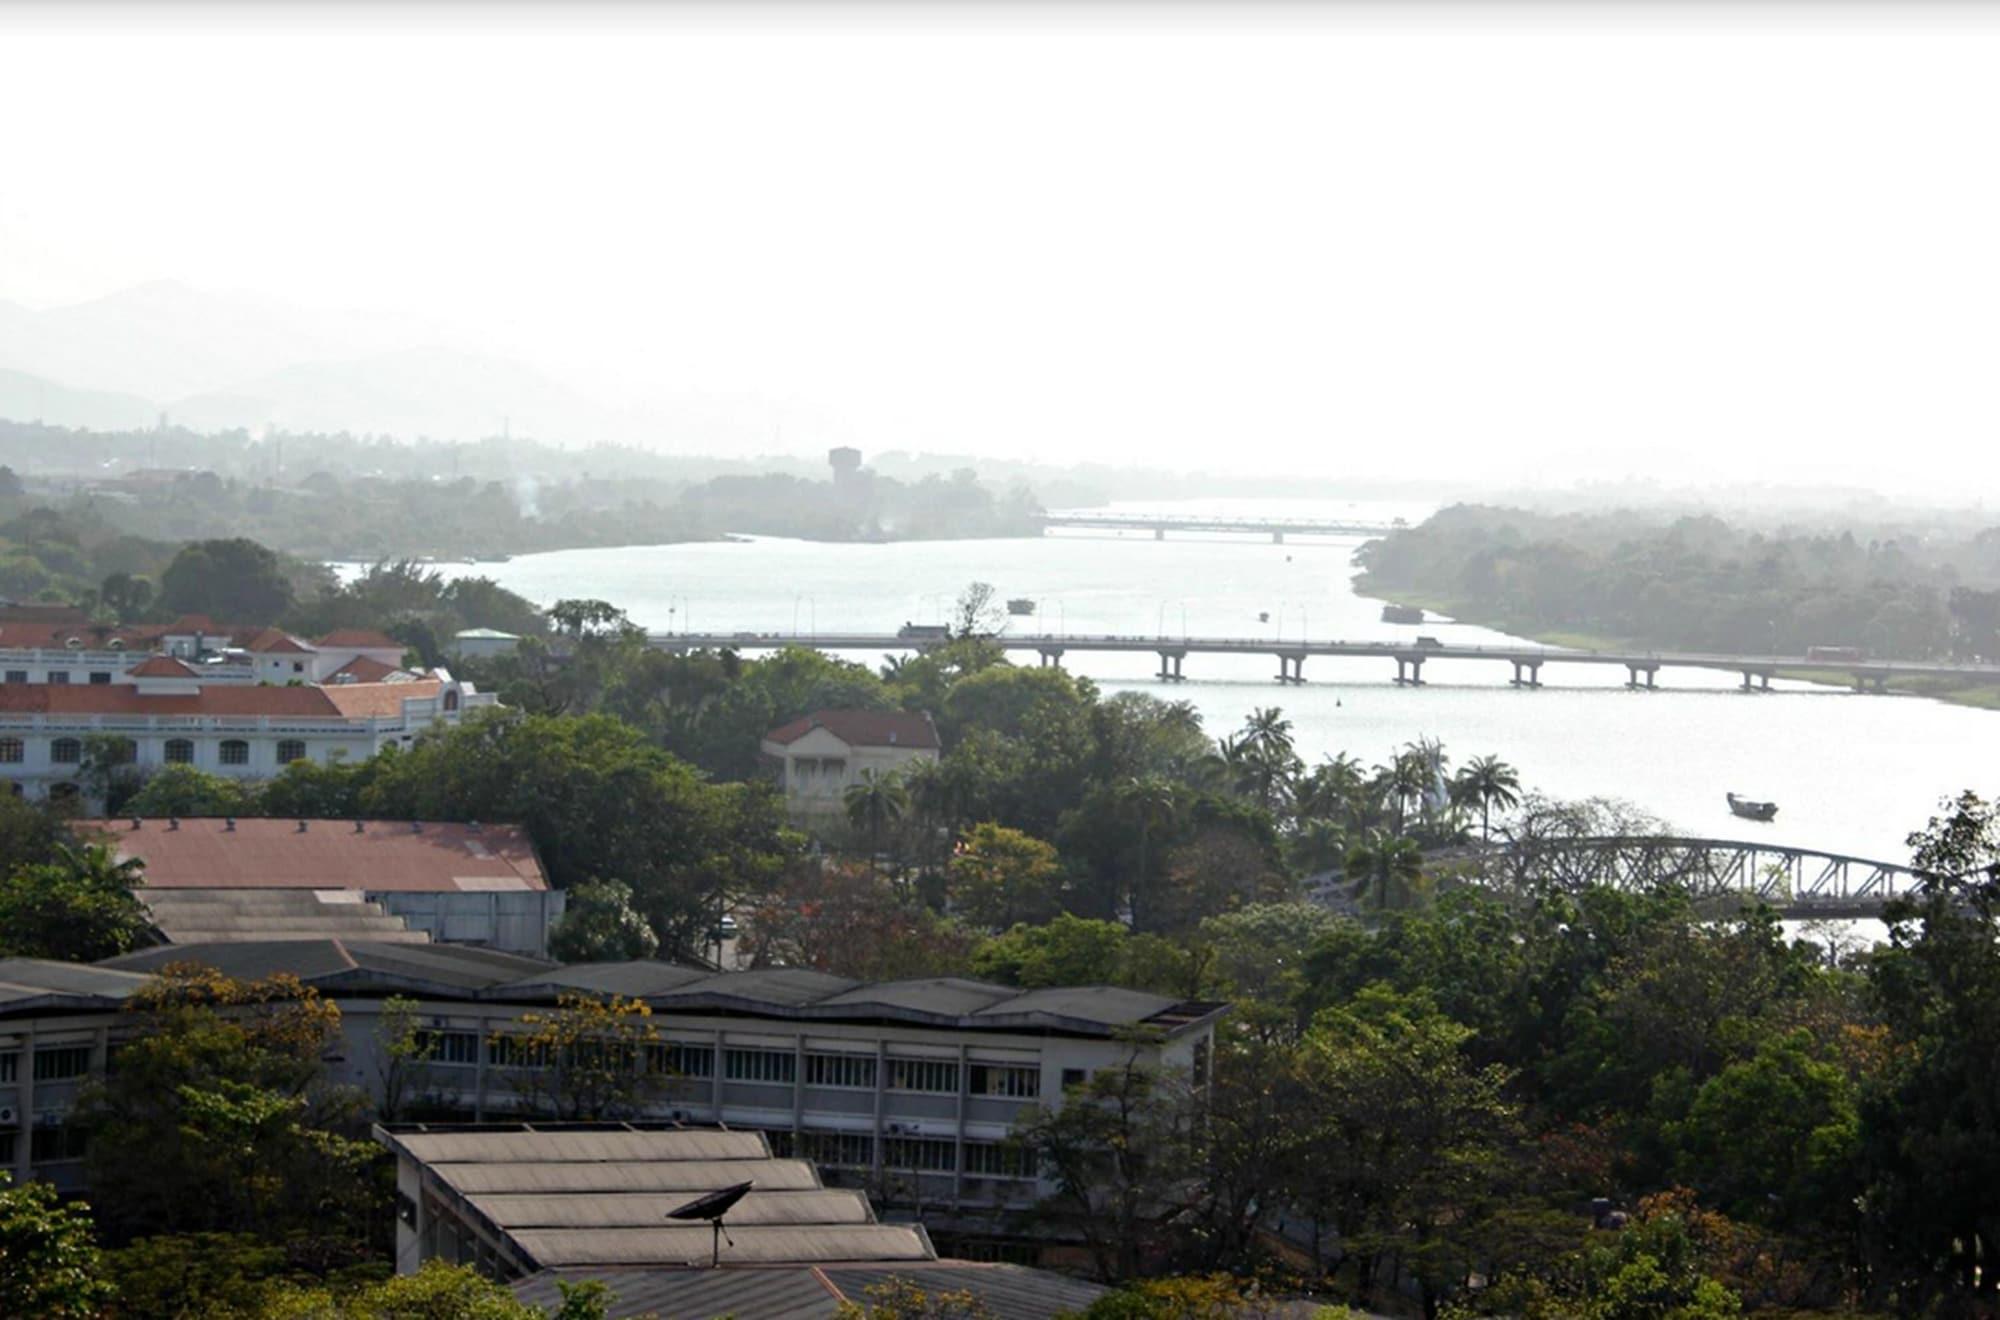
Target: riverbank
(1955, 692)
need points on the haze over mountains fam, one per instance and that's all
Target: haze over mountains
(215, 362)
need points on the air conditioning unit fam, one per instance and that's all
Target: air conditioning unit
(6, 1115)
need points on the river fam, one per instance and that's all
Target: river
(1852, 773)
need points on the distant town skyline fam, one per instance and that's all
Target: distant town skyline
(1545, 245)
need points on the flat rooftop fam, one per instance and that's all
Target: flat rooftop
(379, 856)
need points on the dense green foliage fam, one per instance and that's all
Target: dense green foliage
(75, 906)
(49, 1262)
(1698, 583)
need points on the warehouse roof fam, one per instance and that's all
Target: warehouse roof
(466, 972)
(567, 1198)
(377, 856)
(1007, 1292)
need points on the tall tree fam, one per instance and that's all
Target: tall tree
(874, 804)
(79, 907)
(1487, 782)
(231, 581)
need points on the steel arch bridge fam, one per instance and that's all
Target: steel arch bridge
(1796, 881)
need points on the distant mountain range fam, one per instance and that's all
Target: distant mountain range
(214, 363)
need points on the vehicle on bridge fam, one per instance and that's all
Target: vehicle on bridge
(924, 632)
(1839, 653)
(1428, 642)
(1749, 810)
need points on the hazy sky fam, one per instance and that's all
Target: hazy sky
(1594, 239)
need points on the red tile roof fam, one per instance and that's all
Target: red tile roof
(863, 728)
(274, 854)
(163, 666)
(55, 636)
(351, 701)
(362, 669)
(378, 700)
(359, 638)
(274, 639)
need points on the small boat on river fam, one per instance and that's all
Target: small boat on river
(1402, 614)
(1749, 810)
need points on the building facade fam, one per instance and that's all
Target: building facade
(819, 757)
(166, 715)
(908, 1089)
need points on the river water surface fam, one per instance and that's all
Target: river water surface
(1852, 773)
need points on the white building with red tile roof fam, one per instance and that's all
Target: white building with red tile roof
(165, 714)
(51, 646)
(820, 756)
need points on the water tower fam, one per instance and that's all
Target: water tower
(846, 464)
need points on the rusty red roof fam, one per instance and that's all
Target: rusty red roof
(864, 728)
(362, 669)
(351, 700)
(163, 666)
(252, 853)
(274, 639)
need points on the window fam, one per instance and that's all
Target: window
(7, 1149)
(10, 1068)
(451, 700)
(13, 751)
(56, 1143)
(450, 1047)
(1074, 1077)
(923, 1075)
(298, 666)
(851, 1149)
(516, 1052)
(99, 678)
(854, 1070)
(180, 751)
(235, 752)
(1009, 1081)
(758, 1065)
(60, 676)
(66, 751)
(61, 1062)
(1200, 1069)
(290, 750)
(680, 1059)
(923, 1154)
(17, 676)
(998, 1159)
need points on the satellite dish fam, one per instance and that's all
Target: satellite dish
(712, 1206)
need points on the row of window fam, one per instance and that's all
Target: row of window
(856, 1150)
(123, 751)
(45, 1144)
(55, 1063)
(60, 677)
(777, 1067)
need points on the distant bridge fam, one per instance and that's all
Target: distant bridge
(1798, 882)
(1160, 524)
(1642, 667)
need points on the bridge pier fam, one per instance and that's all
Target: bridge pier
(1159, 533)
(1277, 538)
(1528, 673)
(1763, 677)
(1871, 683)
(1291, 668)
(1170, 666)
(1415, 670)
(1652, 673)
(1051, 657)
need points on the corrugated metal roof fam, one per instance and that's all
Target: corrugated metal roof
(584, 1147)
(257, 853)
(749, 1294)
(782, 987)
(639, 978)
(830, 1205)
(1010, 1292)
(947, 996)
(753, 1245)
(690, 1176)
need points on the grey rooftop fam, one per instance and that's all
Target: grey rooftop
(471, 974)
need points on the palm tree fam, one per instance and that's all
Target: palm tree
(1406, 780)
(1487, 781)
(1387, 864)
(1151, 804)
(873, 804)
(1268, 728)
(1333, 790)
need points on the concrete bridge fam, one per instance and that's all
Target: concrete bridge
(1160, 524)
(1525, 662)
(1798, 882)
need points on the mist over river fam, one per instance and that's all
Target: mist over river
(1852, 773)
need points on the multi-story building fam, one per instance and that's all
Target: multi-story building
(62, 645)
(164, 714)
(820, 756)
(907, 1088)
